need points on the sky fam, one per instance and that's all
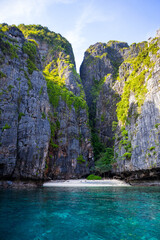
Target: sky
(85, 22)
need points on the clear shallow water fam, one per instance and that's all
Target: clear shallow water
(120, 213)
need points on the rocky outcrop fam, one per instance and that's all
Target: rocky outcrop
(98, 72)
(44, 132)
(70, 151)
(47, 110)
(122, 84)
(137, 145)
(24, 132)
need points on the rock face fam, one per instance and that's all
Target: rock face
(44, 129)
(24, 133)
(98, 72)
(70, 151)
(128, 99)
(137, 147)
(44, 106)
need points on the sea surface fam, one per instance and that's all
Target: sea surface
(106, 213)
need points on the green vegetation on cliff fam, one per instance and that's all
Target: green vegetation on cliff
(58, 67)
(136, 82)
(80, 159)
(6, 126)
(61, 51)
(6, 47)
(101, 60)
(30, 49)
(104, 164)
(94, 92)
(43, 34)
(56, 89)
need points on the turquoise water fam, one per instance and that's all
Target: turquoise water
(120, 213)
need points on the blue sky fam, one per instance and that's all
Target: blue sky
(85, 22)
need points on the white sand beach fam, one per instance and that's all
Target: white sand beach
(86, 183)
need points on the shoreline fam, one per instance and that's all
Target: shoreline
(86, 183)
(29, 184)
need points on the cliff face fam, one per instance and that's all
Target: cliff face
(137, 144)
(24, 132)
(98, 72)
(122, 84)
(44, 119)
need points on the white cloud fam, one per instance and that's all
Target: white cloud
(89, 15)
(36, 12)
(30, 11)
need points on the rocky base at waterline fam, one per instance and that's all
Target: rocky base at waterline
(20, 184)
(147, 183)
(148, 177)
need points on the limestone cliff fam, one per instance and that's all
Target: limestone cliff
(44, 121)
(137, 138)
(24, 132)
(98, 72)
(123, 100)
(47, 109)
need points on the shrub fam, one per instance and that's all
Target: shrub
(41, 91)
(157, 125)
(124, 133)
(114, 126)
(31, 66)
(20, 116)
(43, 115)
(10, 87)
(7, 48)
(30, 49)
(102, 117)
(127, 155)
(33, 41)
(104, 163)
(53, 144)
(80, 159)
(93, 177)
(98, 147)
(152, 148)
(2, 74)
(6, 126)
(29, 81)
